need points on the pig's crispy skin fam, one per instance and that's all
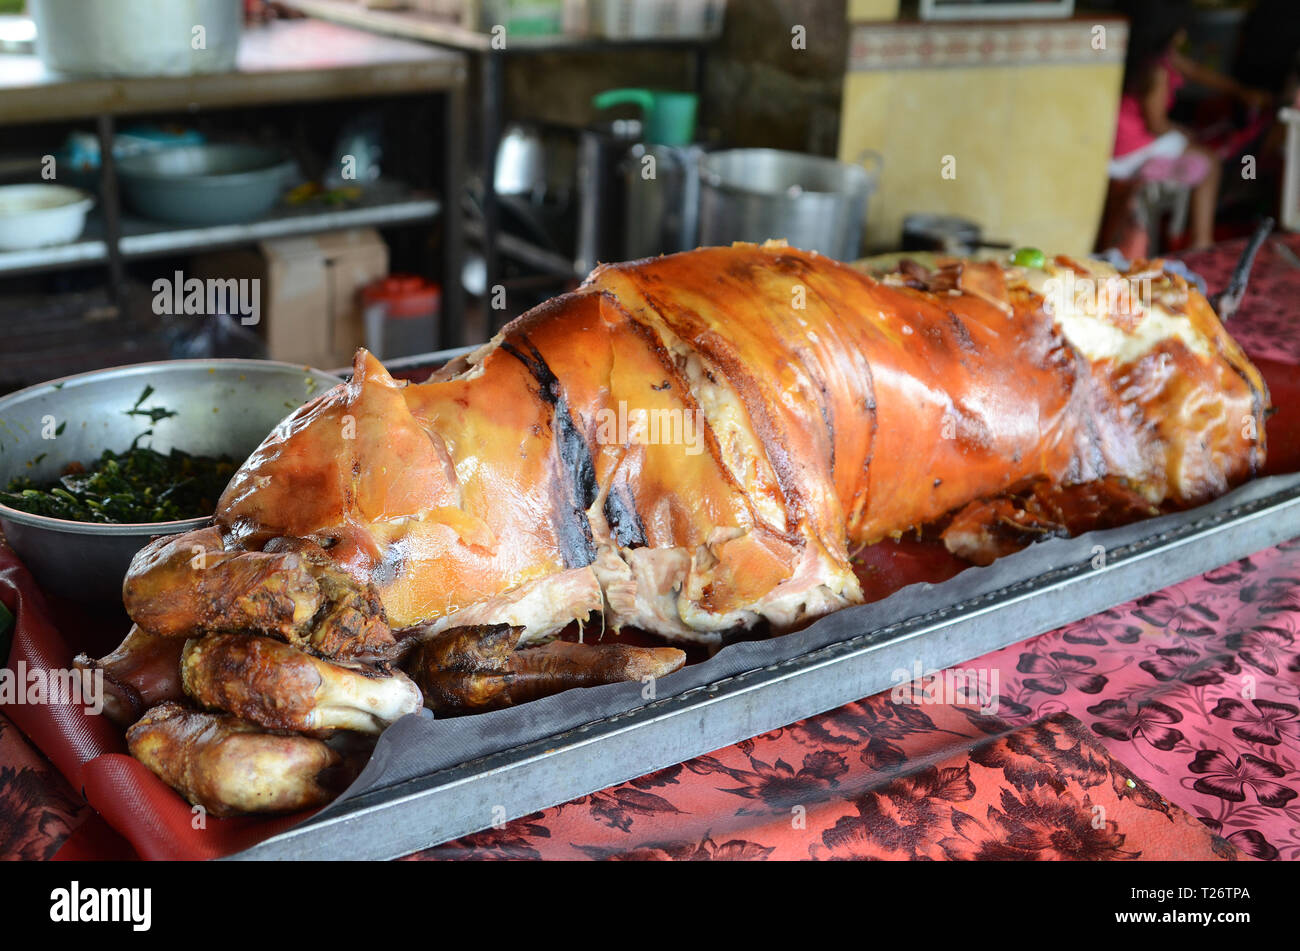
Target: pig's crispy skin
(837, 410)
(229, 766)
(280, 687)
(142, 672)
(471, 669)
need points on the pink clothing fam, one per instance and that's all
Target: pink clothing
(1189, 169)
(1131, 132)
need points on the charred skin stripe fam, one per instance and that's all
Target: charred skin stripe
(853, 517)
(963, 338)
(624, 521)
(1260, 411)
(621, 514)
(575, 480)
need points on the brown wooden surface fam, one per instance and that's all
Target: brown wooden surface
(285, 61)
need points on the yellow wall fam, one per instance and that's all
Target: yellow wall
(1031, 145)
(872, 10)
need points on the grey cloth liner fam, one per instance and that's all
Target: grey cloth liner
(418, 744)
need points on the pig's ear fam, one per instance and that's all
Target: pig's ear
(366, 368)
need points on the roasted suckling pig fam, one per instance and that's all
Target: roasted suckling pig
(689, 445)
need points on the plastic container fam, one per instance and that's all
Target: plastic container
(138, 37)
(657, 19)
(667, 117)
(401, 316)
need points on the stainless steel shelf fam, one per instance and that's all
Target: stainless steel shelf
(383, 206)
(280, 62)
(431, 28)
(85, 251)
(149, 239)
(525, 252)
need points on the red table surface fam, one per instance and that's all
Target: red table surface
(1168, 727)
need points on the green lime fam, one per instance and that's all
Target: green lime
(1028, 257)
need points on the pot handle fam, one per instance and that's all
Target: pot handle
(872, 161)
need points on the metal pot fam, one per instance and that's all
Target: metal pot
(945, 234)
(662, 194)
(137, 37)
(222, 406)
(814, 203)
(538, 161)
(601, 192)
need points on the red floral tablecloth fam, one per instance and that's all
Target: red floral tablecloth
(1166, 728)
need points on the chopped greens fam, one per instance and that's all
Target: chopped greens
(139, 485)
(154, 414)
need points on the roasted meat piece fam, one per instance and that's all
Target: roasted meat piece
(290, 590)
(470, 669)
(142, 672)
(229, 766)
(283, 688)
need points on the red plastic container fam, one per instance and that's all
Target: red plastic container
(401, 316)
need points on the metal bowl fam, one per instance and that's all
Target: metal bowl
(205, 184)
(223, 407)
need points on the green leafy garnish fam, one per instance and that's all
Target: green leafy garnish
(139, 485)
(154, 414)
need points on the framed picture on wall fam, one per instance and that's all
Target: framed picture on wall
(995, 9)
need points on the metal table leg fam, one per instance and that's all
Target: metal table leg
(493, 74)
(699, 69)
(452, 332)
(112, 208)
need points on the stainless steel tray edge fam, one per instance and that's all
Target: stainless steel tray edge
(407, 817)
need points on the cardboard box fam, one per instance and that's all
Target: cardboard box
(310, 303)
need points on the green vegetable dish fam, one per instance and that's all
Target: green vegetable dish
(139, 485)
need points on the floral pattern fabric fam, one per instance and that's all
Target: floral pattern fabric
(1196, 688)
(873, 780)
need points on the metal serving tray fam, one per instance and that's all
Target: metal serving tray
(981, 610)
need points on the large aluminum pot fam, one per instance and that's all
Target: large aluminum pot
(137, 37)
(814, 203)
(222, 407)
(661, 185)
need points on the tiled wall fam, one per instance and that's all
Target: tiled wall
(1026, 111)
